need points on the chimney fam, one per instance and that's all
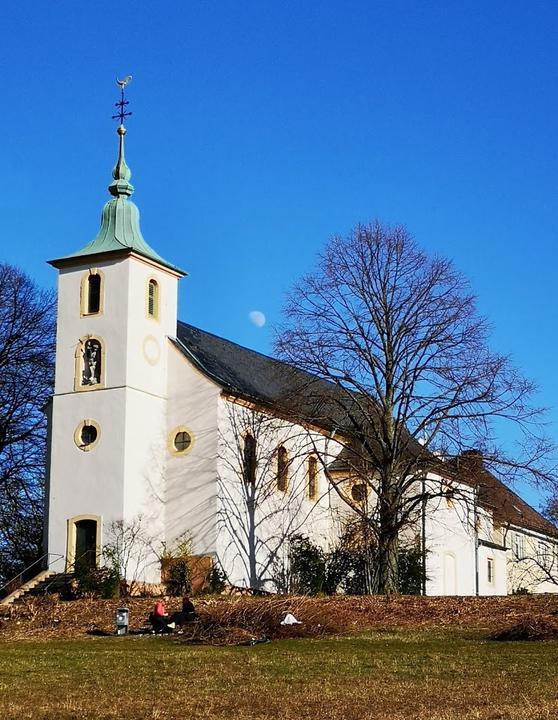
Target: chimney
(471, 463)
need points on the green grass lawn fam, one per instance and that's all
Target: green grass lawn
(378, 675)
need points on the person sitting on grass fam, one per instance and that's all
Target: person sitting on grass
(187, 614)
(159, 618)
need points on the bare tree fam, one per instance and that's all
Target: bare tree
(398, 338)
(26, 379)
(128, 550)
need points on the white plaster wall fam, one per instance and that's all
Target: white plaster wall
(526, 572)
(191, 492)
(109, 325)
(498, 586)
(450, 560)
(146, 334)
(276, 515)
(85, 482)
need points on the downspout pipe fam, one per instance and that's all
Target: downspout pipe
(423, 536)
(476, 539)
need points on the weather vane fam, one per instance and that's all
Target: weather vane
(122, 103)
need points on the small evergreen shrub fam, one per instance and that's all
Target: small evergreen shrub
(179, 582)
(411, 570)
(217, 580)
(101, 582)
(307, 566)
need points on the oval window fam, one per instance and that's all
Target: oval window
(182, 441)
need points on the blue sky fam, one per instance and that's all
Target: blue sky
(260, 129)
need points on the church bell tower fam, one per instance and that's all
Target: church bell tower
(117, 308)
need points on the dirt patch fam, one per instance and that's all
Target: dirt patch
(224, 620)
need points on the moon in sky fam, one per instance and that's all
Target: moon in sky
(257, 318)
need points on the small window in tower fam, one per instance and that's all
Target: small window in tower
(87, 435)
(282, 469)
(312, 478)
(93, 294)
(180, 441)
(153, 299)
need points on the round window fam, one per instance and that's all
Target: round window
(88, 434)
(182, 441)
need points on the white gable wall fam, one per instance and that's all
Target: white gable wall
(191, 479)
(450, 542)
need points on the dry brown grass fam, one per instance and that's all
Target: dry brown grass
(235, 619)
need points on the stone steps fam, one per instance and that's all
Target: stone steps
(28, 586)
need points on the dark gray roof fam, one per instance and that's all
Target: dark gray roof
(260, 378)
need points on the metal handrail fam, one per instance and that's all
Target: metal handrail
(26, 569)
(71, 565)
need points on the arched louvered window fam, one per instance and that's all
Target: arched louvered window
(249, 460)
(153, 299)
(93, 293)
(282, 469)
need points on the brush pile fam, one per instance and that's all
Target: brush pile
(244, 619)
(537, 627)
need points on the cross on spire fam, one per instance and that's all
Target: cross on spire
(122, 103)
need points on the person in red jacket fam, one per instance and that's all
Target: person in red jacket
(159, 618)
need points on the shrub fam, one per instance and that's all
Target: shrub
(217, 580)
(411, 570)
(307, 566)
(101, 582)
(179, 581)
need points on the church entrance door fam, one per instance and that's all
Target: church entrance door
(85, 555)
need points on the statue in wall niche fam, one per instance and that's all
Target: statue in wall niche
(91, 363)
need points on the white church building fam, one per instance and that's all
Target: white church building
(157, 424)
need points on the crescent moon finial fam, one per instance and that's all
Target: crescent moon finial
(125, 81)
(122, 113)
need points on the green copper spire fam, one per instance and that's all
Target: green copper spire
(120, 219)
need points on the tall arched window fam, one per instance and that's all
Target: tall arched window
(153, 299)
(312, 478)
(92, 292)
(282, 469)
(249, 460)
